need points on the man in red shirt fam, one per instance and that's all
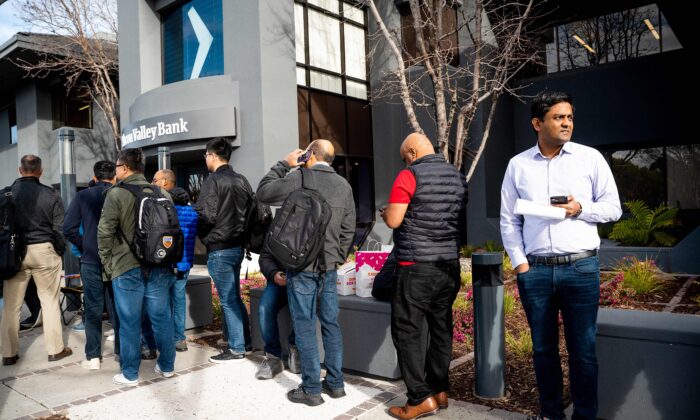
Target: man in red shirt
(425, 208)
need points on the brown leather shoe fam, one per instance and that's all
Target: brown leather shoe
(58, 356)
(441, 400)
(427, 408)
(7, 361)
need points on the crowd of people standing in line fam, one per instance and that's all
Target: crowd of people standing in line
(556, 262)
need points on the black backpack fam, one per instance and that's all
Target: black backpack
(297, 235)
(12, 245)
(258, 218)
(158, 240)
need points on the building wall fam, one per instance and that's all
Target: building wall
(35, 135)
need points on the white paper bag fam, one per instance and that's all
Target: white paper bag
(345, 282)
(365, 280)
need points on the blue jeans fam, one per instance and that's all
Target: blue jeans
(97, 294)
(177, 299)
(177, 303)
(302, 293)
(572, 289)
(133, 291)
(273, 299)
(225, 269)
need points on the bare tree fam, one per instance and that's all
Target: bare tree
(500, 47)
(84, 50)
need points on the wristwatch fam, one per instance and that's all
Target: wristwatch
(580, 209)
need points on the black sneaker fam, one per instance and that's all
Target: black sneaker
(332, 392)
(227, 356)
(301, 397)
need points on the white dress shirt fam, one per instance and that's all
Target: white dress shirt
(577, 170)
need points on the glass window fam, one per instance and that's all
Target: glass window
(70, 110)
(327, 82)
(615, 37)
(353, 13)
(192, 41)
(324, 41)
(335, 39)
(12, 117)
(640, 175)
(355, 52)
(330, 5)
(683, 166)
(299, 38)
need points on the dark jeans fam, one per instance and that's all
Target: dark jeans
(225, 268)
(304, 289)
(424, 291)
(133, 291)
(273, 299)
(31, 298)
(572, 289)
(96, 295)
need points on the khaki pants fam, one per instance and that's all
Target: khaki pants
(44, 265)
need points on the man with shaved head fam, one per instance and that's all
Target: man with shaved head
(425, 211)
(303, 286)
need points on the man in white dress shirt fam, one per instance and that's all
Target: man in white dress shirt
(557, 260)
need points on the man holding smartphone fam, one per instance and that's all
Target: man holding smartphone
(557, 260)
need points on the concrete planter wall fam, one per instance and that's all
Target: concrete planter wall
(681, 258)
(649, 365)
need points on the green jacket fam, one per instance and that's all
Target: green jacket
(118, 215)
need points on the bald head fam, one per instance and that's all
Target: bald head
(323, 150)
(414, 147)
(165, 178)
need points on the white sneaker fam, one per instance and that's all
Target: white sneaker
(91, 364)
(120, 379)
(165, 374)
(109, 332)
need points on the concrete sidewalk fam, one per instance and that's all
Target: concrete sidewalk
(34, 388)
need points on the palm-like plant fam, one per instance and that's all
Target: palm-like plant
(646, 227)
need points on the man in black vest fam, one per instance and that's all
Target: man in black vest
(424, 210)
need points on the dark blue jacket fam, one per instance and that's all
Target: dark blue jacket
(430, 230)
(86, 209)
(187, 216)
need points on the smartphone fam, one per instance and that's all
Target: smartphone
(558, 199)
(304, 157)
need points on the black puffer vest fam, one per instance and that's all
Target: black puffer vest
(430, 228)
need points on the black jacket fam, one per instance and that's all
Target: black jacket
(278, 184)
(85, 210)
(221, 208)
(39, 212)
(430, 230)
(269, 266)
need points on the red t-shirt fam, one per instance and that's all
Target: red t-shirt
(401, 193)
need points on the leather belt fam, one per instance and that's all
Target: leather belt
(560, 259)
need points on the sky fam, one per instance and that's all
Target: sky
(9, 24)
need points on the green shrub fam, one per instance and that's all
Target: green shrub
(646, 227)
(465, 278)
(640, 276)
(520, 347)
(508, 302)
(217, 310)
(507, 264)
(466, 251)
(492, 246)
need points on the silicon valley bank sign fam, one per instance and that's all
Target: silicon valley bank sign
(182, 126)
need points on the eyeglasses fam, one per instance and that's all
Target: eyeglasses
(121, 164)
(155, 181)
(208, 154)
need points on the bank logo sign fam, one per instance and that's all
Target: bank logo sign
(193, 41)
(172, 128)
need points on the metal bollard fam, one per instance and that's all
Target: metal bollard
(66, 138)
(489, 332)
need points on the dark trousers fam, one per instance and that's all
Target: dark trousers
(31, 298)
(572, 290)
(96, 295)
(424, 292)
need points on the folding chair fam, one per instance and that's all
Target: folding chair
(72, 297)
